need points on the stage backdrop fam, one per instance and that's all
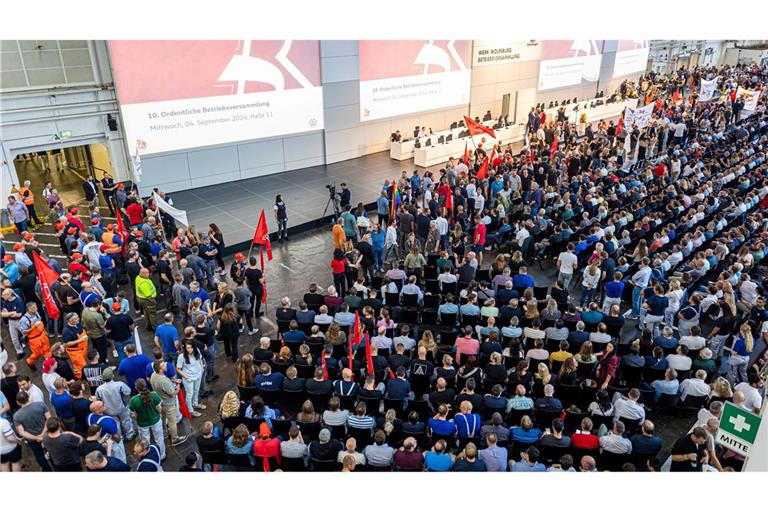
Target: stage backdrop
(186, 94)
(404, 77)
(566, 63)
(631, 57)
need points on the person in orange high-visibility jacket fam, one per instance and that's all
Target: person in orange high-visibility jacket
(112, 241)
(28, 198)
(31, 324)
(76, 342)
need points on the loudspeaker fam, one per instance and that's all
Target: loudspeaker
(112, 122)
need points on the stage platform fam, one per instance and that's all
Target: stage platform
(235, 206)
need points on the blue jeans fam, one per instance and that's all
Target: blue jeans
(378, 258)
(209, 266)
(120, 346)
(282, 229)
(22, 226)
(210, 361)
(636, 299)
(586, 295)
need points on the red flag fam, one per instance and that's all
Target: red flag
(530, 156)
(493, 155)
(477, 128)
(47, 276)
(449, 203)
(465, 158)
(261, 237)
(183, 409)
(368, 356)
(553, 149)
(676, 96)
(122, 232)
(619, 126)
(482, 173)
(325, 366)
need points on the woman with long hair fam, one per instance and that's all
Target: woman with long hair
(607, 365)
(257, 409)
(217, 238)
(143, 406)
(335, 336)
(468, 370)
(191, 366)
(240, 442)
(740, 352)
(339, 270)
(520, 375)
(228, 327)
(428, 342)
(230, 405)
(307, 413)
(245, 371)
(447, 371)
(567, 374)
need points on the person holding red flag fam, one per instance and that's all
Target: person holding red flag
(261, 238)
(31, 324)
(482, 173)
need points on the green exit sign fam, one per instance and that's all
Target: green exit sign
(65, 134)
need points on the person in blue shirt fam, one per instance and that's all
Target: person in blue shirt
(646, 444)
(448, 307)
(526, 433)
(522, 279)
(439, 424)
(13, 308)
(436, 459)
(399, 388)
(668, 386)
(134, 366)
(170, 369)
(167, 338)
(468, 424)
(378, 237)
(655, 306)
(11, 269)
(268, 381)
(529, 462)
(666, 340)
(293, 337)
(613, 292)
(109, 426)
(197, 292)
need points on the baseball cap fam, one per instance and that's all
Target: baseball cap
(103, 247)
(108, 373)
(48, 364)
(264, 430)
(110, 227)
(17, 247)
(138, 233)
(324, 436)
(8, 258)
(239, 256)
(95, 220)
(116, 306)
(73, 211)
(72, 230)
(29, 236)
(77, 256)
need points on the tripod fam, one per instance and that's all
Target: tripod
(333, 199)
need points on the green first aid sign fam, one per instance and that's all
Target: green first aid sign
(738, 429)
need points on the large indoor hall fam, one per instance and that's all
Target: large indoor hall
(331, 246)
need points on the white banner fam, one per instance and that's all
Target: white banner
(137, 340)
(630, 61)
(708, 88)
(569, 71)
(639, 117)
(750, 97)
(179, 215)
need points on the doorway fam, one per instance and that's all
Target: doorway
(67, 168)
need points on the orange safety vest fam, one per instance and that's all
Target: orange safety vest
(27, 197)
(37, 330)
(79, 353)
(109, 240)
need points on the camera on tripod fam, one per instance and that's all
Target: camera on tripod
(331, 189)
(333, 201)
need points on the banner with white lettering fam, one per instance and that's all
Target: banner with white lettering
(639, 117)
(750, 97)
(707, 91)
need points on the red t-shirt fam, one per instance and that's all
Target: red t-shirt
(444, 190)
(480, 234)
(135, 213)
(338, 266)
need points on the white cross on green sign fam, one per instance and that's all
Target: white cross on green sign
(738, 428)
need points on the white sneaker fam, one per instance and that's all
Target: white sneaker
(199, 406)
(195, 414)
(253, 332)
(114, 354)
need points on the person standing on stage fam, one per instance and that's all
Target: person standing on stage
(281, 216)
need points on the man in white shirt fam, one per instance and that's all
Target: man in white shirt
(34, 392)
(615, 442)
(695, 386)
(694, 341)
(522, 234)
(679, 361)
(628, 407)
(567, 263)
(382, 341)
(748, 291)
(640, 281)
(751, 390)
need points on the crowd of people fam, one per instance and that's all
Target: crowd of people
(626, 286)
